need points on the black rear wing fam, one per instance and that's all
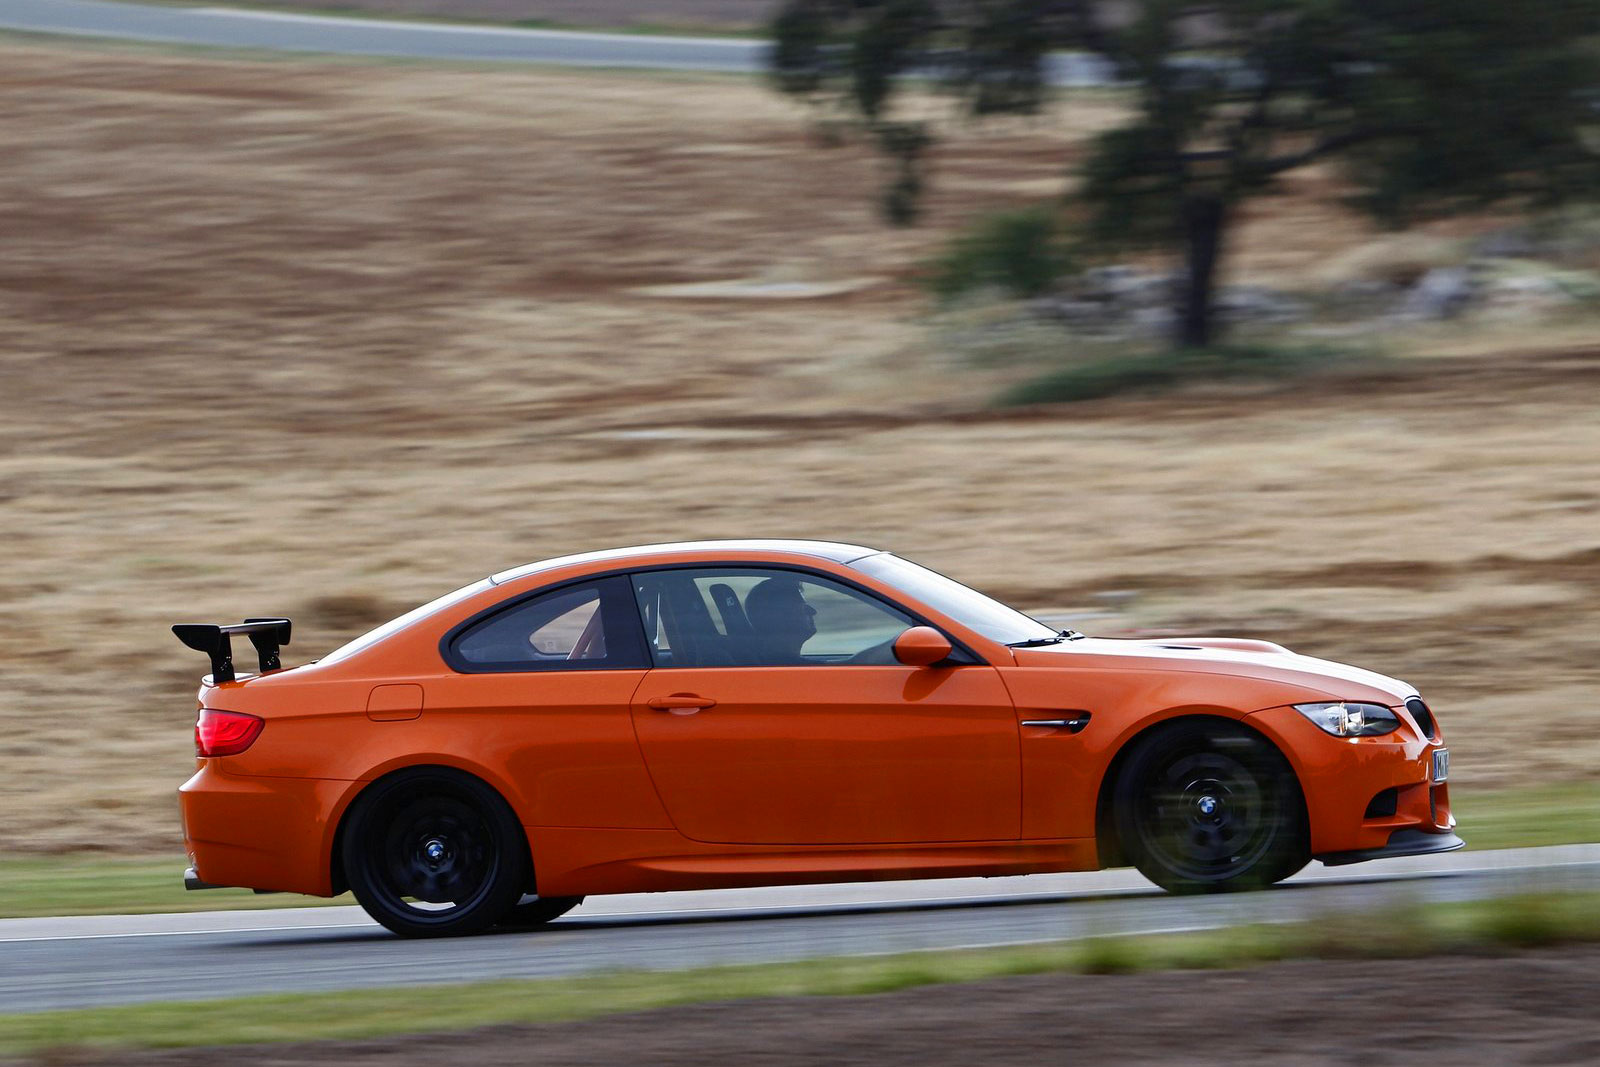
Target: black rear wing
(268, 635)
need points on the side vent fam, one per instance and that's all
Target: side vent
(1385, 804)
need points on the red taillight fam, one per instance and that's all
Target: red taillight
(224, 733)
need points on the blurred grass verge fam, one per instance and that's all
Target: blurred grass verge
(93, 884)
(1560, 813)
(89, 884)
(1497, 924)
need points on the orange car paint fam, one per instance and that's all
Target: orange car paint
(631, 780)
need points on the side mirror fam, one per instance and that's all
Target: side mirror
(921, 646)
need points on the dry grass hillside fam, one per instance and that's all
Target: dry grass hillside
(330, 339)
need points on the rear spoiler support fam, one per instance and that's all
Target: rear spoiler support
(267, 635)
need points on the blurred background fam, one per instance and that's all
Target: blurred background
(1243, 330)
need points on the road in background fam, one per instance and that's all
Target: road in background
(287, 31)
(98, 960)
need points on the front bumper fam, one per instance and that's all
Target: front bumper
(1401, 843)
(1365, 797)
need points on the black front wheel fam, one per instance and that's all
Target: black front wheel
(432, 852)
(1208, 806)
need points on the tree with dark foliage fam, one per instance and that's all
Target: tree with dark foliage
(1431, 106)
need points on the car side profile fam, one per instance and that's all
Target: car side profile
(741, 713)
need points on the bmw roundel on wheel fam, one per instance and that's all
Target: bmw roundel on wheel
(740, 713)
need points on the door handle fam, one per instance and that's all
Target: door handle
(681, 703)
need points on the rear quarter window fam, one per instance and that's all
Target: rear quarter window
(577, 627)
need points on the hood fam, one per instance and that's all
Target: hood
(1259, 660)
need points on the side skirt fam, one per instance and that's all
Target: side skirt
(572, 861)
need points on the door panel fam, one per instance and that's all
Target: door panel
(563, 738)
(542, 690)
(832, 754)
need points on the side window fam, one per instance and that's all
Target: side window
(753, 617)
(578, 627)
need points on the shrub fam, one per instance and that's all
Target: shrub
(1019, 252)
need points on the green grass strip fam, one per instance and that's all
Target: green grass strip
(1509, 922)
(90, 884)
(1563, 813)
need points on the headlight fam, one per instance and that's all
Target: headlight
(1351, 720)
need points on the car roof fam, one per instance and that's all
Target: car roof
(828, 550)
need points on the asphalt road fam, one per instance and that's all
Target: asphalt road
(99, 960)
(286, 31)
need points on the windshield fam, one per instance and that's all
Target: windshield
(373, 636)
(972, 609)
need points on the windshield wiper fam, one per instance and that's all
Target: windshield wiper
(1035, 642)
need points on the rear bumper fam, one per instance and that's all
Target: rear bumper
(259, 833)
(1401, 843)
(191, 880)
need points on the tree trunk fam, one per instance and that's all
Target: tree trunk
(1203, 219)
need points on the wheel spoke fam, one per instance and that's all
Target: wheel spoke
(1204, 816)
(435, 850)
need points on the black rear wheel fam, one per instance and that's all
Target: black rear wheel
(1208, 806)
(432, 852)
(538, 911)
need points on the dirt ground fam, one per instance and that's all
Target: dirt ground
(1528, 1008)
(330, 339)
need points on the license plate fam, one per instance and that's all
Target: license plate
(1441, 764)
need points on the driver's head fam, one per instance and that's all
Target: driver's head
(780, 616)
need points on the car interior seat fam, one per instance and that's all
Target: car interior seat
(741, 637)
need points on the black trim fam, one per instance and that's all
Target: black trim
(625, 648)
(1410, 842)
(961, 653)
(1422, 715)
(191, 880)
(1074, 725)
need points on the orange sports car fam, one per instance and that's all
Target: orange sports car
(738, 713)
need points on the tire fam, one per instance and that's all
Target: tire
(1207, 806)
(432, 852)
(538, 911)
